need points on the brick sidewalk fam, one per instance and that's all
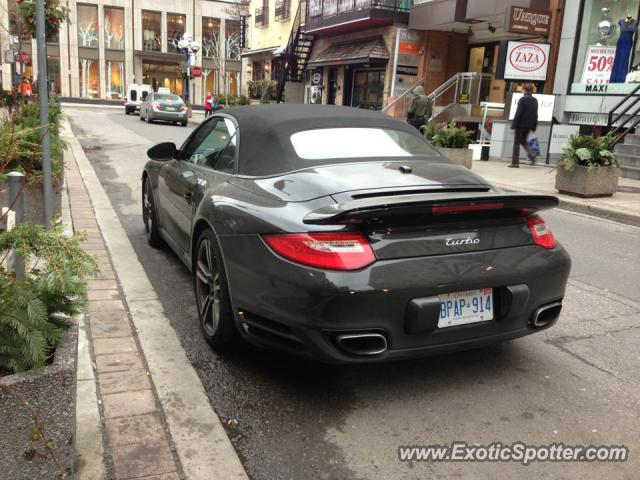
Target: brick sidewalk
(137, 441)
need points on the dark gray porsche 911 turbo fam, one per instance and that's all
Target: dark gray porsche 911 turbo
(343, 235)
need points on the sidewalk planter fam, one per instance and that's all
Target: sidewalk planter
(588, 167)
(461, 156)
(451, 141)
(51, 392)
(587, 182)
(34, 200)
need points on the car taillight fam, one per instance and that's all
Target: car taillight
(541, 232)
(183, 108)
(334, 251)
(156, 106)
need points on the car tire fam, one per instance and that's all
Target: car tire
(211, 288)
(150, 216)
(184, 124)
(127, 111)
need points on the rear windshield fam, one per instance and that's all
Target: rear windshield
(167, 97)
(355, 143)
(134, 95)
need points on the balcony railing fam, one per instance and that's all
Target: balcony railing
(262, 17)
(283, 10)
(328, 8)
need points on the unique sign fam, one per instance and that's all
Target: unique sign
(196, 72)
(546, 103)
(560, 137)
(243, 31)
(526, 61)
(528, 20)
(598, 64)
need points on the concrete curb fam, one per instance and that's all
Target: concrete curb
(203, 448)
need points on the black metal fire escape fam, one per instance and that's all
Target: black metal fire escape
(296, 54)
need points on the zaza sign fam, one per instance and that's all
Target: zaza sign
(526, 61)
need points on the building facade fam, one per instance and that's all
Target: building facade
(108, 44)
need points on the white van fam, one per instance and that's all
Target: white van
(136, 94)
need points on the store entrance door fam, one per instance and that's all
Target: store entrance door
(368, 89)
(163, 75)
(333, 86)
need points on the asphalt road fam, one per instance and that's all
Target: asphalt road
(578, 383)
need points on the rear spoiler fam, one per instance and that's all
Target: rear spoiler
(357, 211)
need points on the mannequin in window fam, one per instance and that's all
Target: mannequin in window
(634, 75)
(628, 27)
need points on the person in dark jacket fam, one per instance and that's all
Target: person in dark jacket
(420, 108)
(524, 122)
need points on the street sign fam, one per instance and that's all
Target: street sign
(196, 72)
(23, 57)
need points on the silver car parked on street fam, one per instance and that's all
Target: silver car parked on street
(164, 106)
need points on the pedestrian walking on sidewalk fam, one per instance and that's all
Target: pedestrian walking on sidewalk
(209, 101)
(524, 122)
(420, 108)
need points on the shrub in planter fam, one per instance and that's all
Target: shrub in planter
(588, 167)
(34, 310)
(451, 141)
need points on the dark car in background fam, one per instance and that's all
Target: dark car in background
(343, 235)
(164, 106)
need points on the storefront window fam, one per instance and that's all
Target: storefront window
(210, 37)
(53, 73)
(89, 78)
(114, 28)
(114, 75)
(87, 26)
(232, 40)
(209, 82)
(368, 89)
(175, 29)
(234, 83)
(162, 75)
(151, 31)
(607, 50)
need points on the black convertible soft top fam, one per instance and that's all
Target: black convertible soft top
(265, 131)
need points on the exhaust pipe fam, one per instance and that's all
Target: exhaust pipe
(362, 343)
(546, 314)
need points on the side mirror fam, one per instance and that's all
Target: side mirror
(162, 152)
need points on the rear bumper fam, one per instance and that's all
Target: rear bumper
(169, 116)
(279, 304)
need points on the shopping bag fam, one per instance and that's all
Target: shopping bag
(532, 140)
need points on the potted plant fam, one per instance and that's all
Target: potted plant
(588, 167)
(451, 141)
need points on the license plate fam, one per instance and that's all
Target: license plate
(171, 109)
(461, 308)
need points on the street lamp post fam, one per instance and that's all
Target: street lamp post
(189, 48)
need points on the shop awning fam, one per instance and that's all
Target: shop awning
(343, 53)
(258, 51)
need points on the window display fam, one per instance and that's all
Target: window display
(89, 78)
(151, 31)
(114, 28)
(87, 26)
(232, 41)
(606, 50)
(114, 75)
(210, 37)
(175, 30)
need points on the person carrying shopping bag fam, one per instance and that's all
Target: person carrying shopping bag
(524, 123)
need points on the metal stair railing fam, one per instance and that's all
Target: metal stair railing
(465, 83)
(623, 129)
